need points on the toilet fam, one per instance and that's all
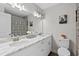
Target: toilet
(63, 47)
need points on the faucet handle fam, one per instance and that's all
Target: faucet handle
(11, 34)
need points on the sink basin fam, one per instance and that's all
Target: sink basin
(15, 38)
(31, 36)
(18, 43)
(4, 40)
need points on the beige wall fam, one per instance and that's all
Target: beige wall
(51, 24)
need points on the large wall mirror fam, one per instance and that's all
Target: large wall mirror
(16, 17)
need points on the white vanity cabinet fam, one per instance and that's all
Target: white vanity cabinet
(5, 24)
(46, 46)
(40, 48)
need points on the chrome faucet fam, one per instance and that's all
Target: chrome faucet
(12, 35)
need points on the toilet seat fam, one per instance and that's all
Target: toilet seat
(63, 52)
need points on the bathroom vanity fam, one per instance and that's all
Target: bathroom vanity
(13, 25)
(38, 46)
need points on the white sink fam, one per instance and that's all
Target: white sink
(31, 36)
(4, 40)
(19, 43)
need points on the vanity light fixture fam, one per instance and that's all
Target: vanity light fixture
(36, 14)
(13, 4)
(19, 6)
(23, 8)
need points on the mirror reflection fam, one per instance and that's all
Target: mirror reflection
(17, 19)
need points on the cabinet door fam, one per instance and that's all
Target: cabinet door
(40, 48)
(32, 50)
(5, 24)
(46, 46)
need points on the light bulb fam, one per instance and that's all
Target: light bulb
(35, 13)
(23, 8)
(19, 6)
(13, 5)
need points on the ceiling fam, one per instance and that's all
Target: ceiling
(45, 5)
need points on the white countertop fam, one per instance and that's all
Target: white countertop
(11, 46)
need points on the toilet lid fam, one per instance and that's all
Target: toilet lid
(63, 52)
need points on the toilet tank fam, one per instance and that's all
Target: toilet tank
(64, 43)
